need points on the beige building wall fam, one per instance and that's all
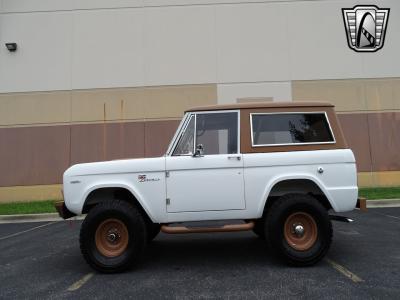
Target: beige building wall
(369, 111)
(43, 133)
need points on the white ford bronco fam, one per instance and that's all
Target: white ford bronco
(275, 168)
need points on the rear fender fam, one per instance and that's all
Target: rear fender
(275, 180)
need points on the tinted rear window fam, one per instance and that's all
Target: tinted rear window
(290, 128)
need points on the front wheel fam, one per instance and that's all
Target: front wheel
(298, 229)
(259, 228)
(113, 236)
(153, 230)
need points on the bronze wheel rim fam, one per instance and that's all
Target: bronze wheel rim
(300, 231)
(112, 237)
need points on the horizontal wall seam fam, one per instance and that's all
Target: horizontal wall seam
(147, 87)
(121, 121)
(346, 79)
(158, 6)
(204, 84)
(371, 111)
(31, 186)
(111, 89)
(116, 121)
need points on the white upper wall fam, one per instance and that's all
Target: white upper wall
(252, 43)
(43, 57)
(318, 45)
(103, 55)
(179, 44)
(81, 44)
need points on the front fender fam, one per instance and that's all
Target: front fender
(134, 191)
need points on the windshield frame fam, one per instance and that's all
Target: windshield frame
(178, 133)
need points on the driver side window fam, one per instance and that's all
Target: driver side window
(217, 132)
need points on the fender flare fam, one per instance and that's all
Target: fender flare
(122, 185)
(277, 179)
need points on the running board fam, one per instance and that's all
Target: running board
(224, 228)
(340, 219)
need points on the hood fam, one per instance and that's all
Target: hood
(118, 166)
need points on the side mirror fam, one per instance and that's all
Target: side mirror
(199, 151)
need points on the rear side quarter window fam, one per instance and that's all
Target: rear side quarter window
(290, 128)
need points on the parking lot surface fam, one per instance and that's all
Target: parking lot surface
(43, 260)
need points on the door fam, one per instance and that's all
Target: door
(210, 178)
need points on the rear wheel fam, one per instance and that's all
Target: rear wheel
(113, 236)
(298, 229)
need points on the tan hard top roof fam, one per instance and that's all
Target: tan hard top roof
(260, 105)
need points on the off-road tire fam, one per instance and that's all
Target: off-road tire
(127, 218)
(153, 230)
(277, 218)
(259, 228)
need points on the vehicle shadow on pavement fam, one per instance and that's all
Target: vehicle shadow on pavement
(211, 249)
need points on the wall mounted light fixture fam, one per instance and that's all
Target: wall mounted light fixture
(12, 47)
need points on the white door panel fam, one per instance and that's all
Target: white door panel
(211, 182)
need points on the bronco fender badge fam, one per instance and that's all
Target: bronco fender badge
(143, 178)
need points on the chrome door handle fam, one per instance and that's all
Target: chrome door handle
(237, 157)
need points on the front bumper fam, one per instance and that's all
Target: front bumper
(63, 210)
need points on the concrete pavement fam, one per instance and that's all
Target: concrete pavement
(42, 260)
